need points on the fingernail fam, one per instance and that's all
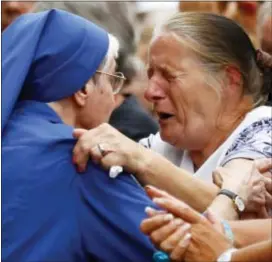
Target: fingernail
(149, 210)
(158, 200)
(186, 240)
(186, 226)
(148, 187)
(178, 222)
(168, 217)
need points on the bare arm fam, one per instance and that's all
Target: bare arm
(223, 206)
(158, 171)
(248, 232)
(260, 252)
(152, 168)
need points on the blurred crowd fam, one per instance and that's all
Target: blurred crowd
(192, 150)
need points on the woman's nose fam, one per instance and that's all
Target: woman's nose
(154, 91)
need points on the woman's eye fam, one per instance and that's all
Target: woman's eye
(168, 76)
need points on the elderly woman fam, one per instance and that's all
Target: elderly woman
(207, 84)
(58, 74)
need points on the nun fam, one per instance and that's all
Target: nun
(58, 73)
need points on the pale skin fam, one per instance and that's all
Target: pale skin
(90, 106)
(187, 235)
(192, 123)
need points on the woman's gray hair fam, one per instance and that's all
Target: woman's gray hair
(218, 42)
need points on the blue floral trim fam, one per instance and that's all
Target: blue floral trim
(257, 138)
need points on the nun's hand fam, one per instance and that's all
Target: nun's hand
(107, 146)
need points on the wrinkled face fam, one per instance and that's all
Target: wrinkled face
(186, 105)
(12, 9)
(100, 102)
(266, 41)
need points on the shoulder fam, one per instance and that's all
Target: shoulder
(254, 138)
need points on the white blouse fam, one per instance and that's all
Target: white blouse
(252, 139)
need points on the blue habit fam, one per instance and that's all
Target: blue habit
(49, 211)
(52, 213)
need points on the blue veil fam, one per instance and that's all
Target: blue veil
(48, 56)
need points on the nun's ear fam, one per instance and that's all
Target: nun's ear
(82, 95)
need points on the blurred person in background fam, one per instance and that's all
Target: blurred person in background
(59, 72)
(264, 27)
(208, 85)
(264, 33)
(119, 18)
(12, 9)
(243, 12)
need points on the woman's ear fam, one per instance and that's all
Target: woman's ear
(234, 79)
(81, 96)
(119, 99)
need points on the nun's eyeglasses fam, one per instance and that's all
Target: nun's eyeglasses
(117, 80)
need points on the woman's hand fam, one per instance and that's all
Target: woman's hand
(183, 233)
(252, 189)
(107, 146)
(265, 168)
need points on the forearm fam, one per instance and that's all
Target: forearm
(260, 252)
(239, 170)
(158, 171)
(250, 231)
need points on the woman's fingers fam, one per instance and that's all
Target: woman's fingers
(151, 212)
(264, 164)
(177, 255)
(78, 132)
(268, 200)
(81, 157)
(179, 209)
(262, 214)
(163, 233)
(217, 178)
(149, 225)
(153, 192)
(170, 242)
(268, 183)
(84, 149)
(214, 220)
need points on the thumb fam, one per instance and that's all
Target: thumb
(153, 192)
(78, 132)
(217, 178)
(213, 219)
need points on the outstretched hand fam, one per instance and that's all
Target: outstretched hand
(181, 231)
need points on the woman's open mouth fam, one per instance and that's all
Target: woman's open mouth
(164, 116)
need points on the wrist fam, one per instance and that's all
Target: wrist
(238, 202)
(140, 160)
(239, 239)
(223, 207)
